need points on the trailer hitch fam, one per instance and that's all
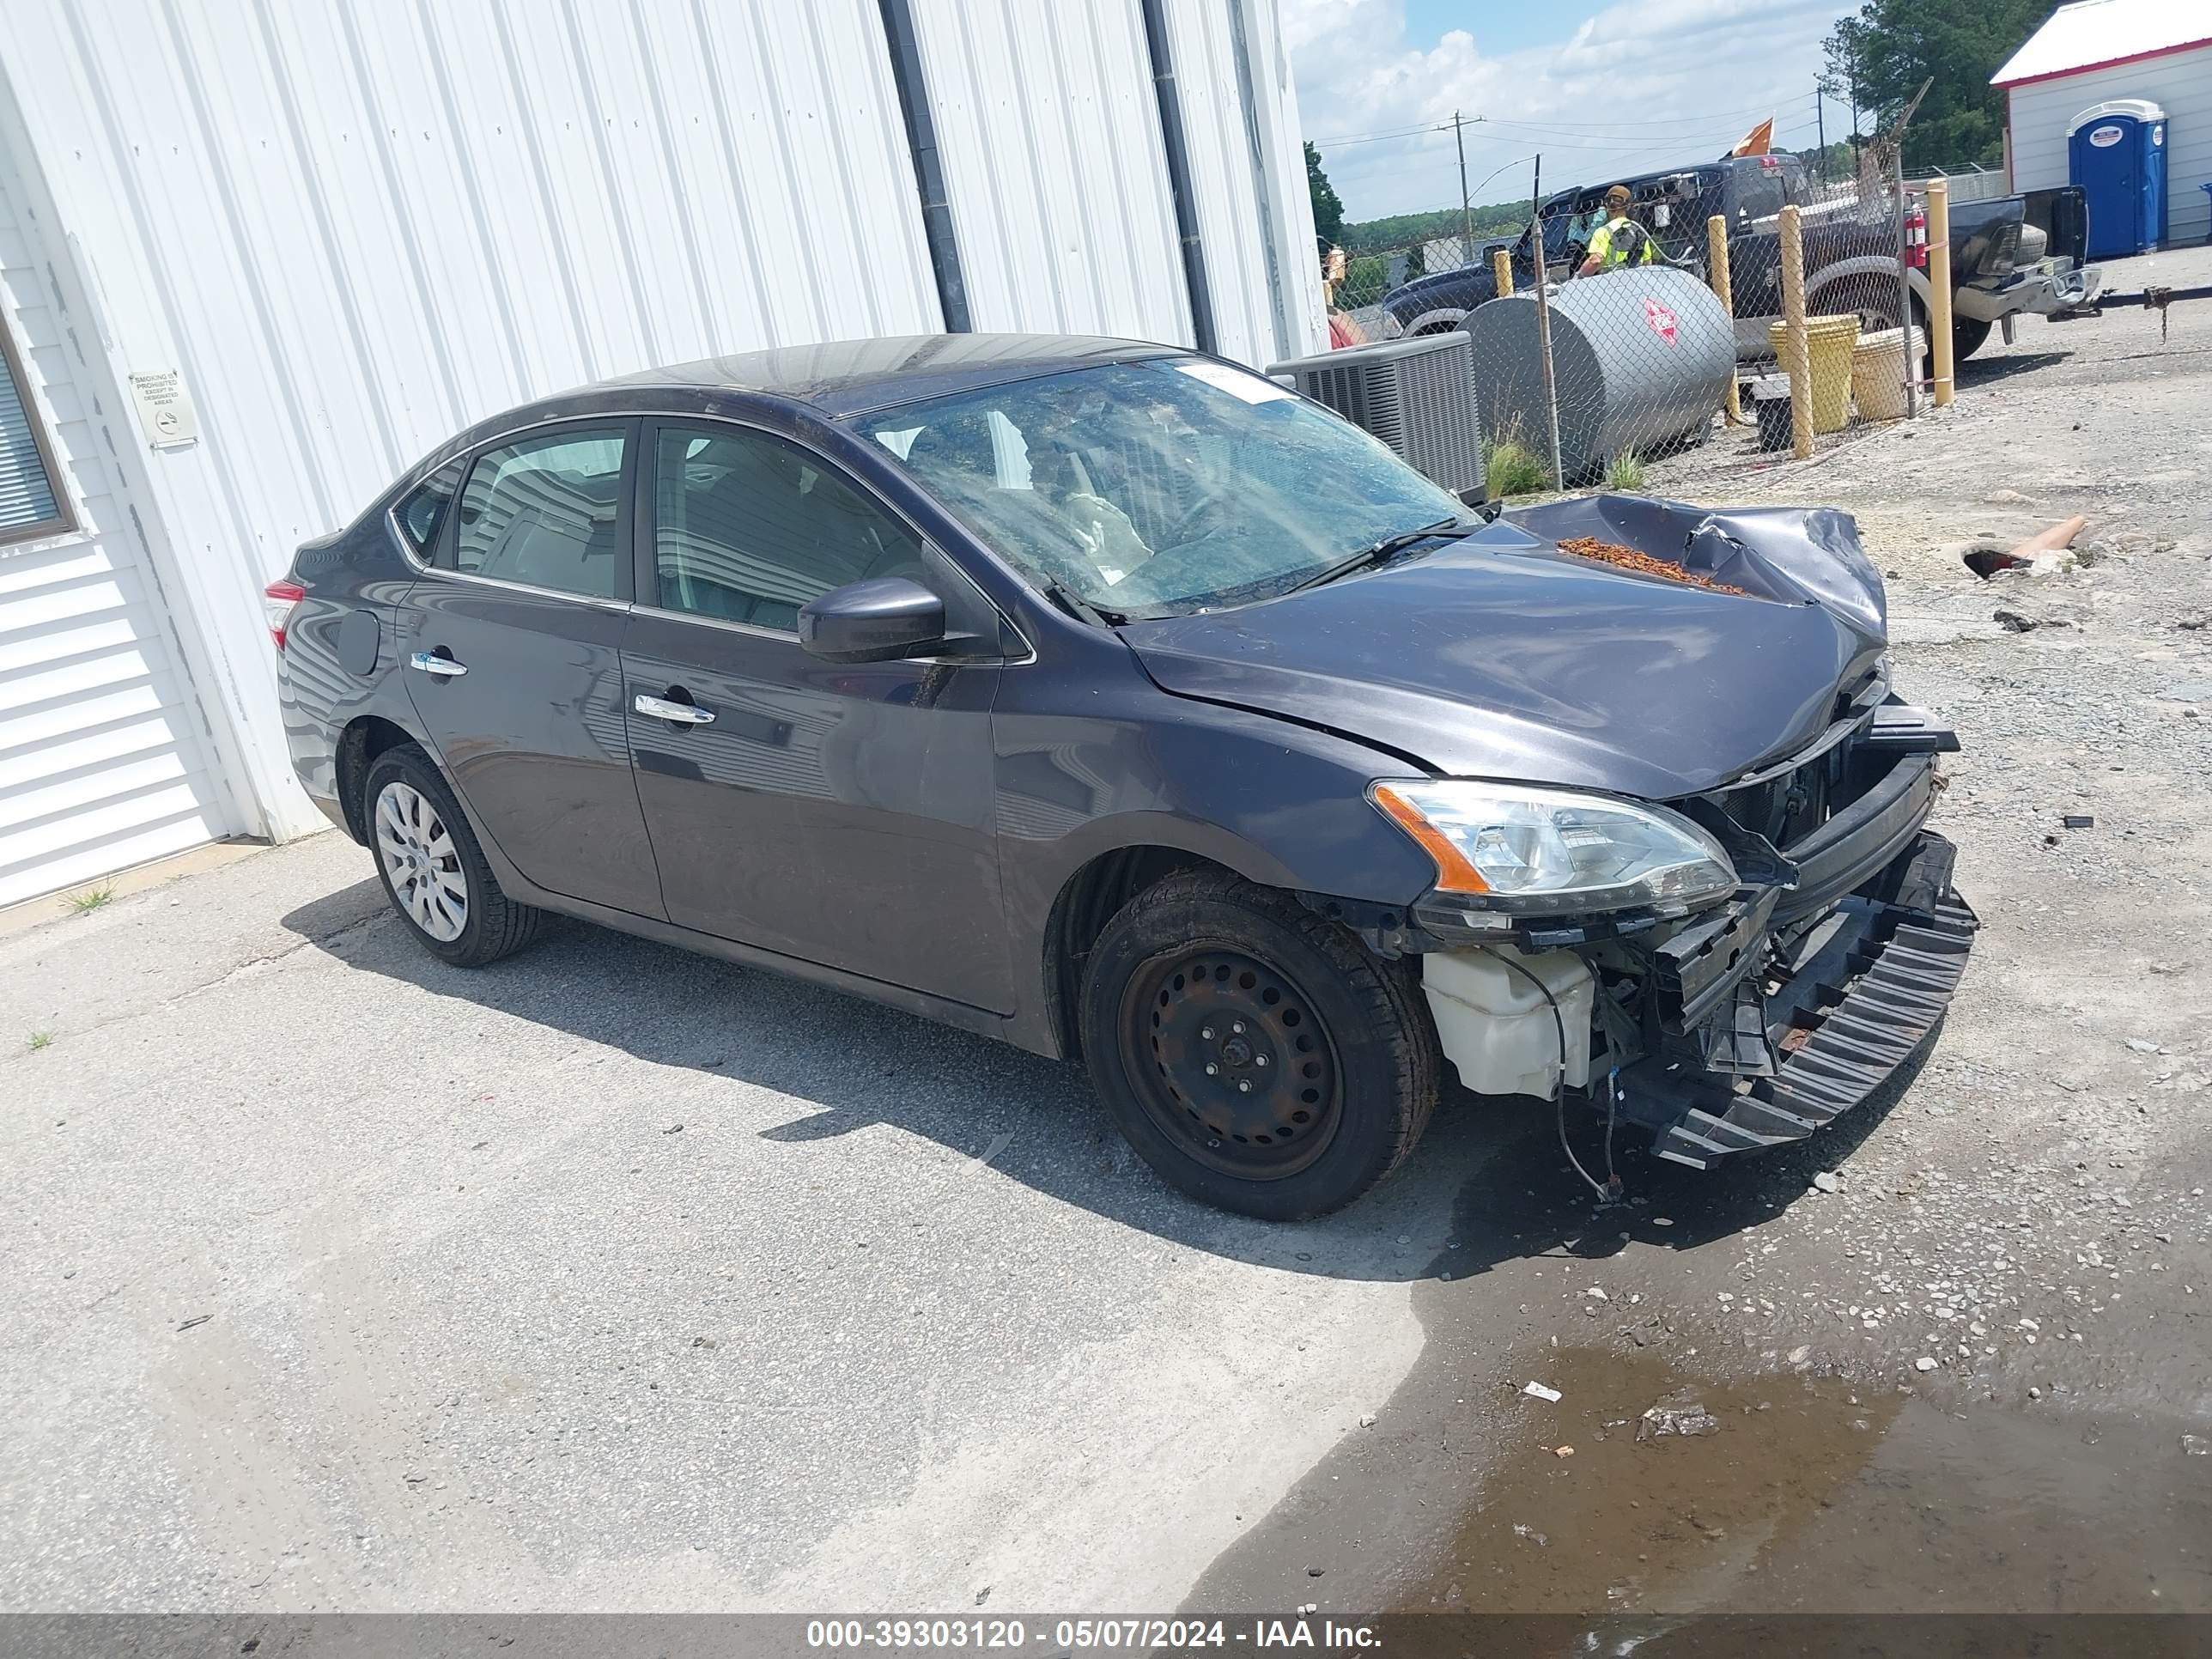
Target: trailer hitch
(2153, 297)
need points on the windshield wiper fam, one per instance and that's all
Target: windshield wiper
(1080, 608)
(1382, 551)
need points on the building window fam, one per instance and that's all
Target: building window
(32, 500)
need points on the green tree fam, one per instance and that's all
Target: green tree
(1402, 230)
(1882, 53)
(1328, 211)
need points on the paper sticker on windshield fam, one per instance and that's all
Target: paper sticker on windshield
(1660, 320)
(1252, 388)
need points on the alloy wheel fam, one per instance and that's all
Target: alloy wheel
(421, 861)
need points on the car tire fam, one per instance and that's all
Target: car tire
(1325, 1062)
(1968, 336)
(434, 869)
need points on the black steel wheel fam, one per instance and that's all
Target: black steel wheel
(1256, 1055)
(1223, 1054)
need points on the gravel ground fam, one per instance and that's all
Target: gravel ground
(613, 1278)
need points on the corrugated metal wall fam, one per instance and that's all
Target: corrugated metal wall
(353, 226)
(2180, 82)
(1051, 143)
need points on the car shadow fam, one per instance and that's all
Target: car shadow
(1489, 1181)
(1983, 371)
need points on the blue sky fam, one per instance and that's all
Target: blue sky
(1597, 88)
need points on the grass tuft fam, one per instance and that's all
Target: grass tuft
(1510, 468)
(39, 1040)
(86, 900)
(1624, 473)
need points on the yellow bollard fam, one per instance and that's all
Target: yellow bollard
(1796, 345)
(1501, 267)
(1717, 257)
(1939, 288)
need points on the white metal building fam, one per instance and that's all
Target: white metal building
(257, 255)
(2097, 51)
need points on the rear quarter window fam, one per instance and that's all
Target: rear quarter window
(1759, 192)
(422, 513)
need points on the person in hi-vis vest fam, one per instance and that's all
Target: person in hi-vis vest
(1619, 240)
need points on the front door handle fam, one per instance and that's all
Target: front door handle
(431, 663)
(683, 713)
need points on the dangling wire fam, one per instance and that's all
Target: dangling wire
(1609, 1190)
(1612, 1117)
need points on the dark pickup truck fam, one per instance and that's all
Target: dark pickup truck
(2007, 256)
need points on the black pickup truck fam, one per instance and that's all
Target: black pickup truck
(2007, 256)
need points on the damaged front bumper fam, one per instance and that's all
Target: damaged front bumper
(1769, 1033)
(1751, 1022)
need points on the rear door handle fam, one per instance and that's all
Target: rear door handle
(683, 713)
(431, 663)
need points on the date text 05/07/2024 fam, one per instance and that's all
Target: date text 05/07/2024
(1084, 1635)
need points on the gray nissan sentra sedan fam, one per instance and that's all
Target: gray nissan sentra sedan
(1112, 701)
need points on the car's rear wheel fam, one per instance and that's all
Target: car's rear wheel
(432, 868)
(1255, 1055)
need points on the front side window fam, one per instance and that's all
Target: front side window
(545, 512)
(747, 527)
(1161, 487)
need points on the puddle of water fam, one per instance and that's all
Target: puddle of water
(1801, 1501)
(1635, 1520)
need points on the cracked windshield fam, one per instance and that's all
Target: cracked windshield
(1162, 487)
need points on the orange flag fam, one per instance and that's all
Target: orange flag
(1759, 140)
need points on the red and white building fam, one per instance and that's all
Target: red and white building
(2098, 51)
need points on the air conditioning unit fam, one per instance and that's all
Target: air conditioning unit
(1416, 395)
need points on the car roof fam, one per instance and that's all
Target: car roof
(833, 380)
(847, 377)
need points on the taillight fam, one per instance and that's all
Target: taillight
(278, 600)
(1916, 237)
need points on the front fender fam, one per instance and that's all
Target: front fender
(1280, 803)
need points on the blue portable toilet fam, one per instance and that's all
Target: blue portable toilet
(2118, 156)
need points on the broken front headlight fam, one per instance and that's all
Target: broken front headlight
(1528, 851)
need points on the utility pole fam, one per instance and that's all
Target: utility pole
(1820, 125)
(1855, 111)
(1466, 213)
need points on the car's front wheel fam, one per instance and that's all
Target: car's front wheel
(1255, 1054)
(432, 867)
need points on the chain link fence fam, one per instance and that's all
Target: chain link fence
(1630, 354)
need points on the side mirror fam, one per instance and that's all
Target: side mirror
(877, 620)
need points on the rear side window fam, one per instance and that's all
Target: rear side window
(545, 512)
(422, 514)
(1757, 190)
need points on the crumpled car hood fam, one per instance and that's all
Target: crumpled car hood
(1499, 656)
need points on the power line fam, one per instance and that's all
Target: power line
(1722, 117)
(1626, 148)
(1377, 138)
(1770, 106)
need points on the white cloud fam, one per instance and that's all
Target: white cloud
(1645, 83)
